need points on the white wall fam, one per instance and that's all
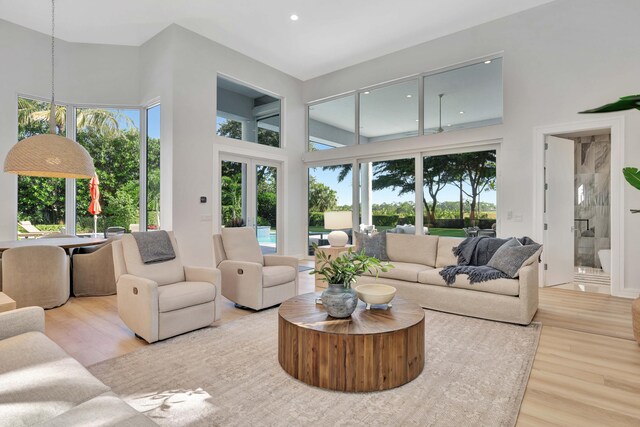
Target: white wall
(96, 74)
(196, 61)
(559, 59)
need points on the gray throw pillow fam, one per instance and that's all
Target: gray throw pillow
(510, 257)
(374, 245)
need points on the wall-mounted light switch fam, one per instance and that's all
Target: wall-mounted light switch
(203, 199)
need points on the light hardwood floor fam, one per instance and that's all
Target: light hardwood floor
(586, 371)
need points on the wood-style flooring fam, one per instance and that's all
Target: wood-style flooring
(586, 371)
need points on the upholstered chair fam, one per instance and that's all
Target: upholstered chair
(36, 275)
(164, 299)
(93, 271)
(249, 278)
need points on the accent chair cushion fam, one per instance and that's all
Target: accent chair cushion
(241, 244)
(511, 256)
(162, 273)
(184, 294)
(374, 245)
(277, 275)
(412, 248)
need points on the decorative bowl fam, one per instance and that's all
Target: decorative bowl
(373, 294)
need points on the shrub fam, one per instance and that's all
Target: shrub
(385, 220)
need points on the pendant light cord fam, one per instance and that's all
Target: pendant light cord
(52, 114)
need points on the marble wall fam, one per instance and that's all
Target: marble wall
(592, 198)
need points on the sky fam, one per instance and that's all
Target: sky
(153, 120)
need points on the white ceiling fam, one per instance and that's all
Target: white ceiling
(330, 34)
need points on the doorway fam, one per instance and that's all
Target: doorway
(578, 210)
(578, 178)
(251, 191)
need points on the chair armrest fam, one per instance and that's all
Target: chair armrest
(271, 260)
(210, 275)
(202, 274)
(138, 305)
(242, 282)
(20, 321)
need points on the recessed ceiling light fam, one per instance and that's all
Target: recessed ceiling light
(417, 120)
(366, 93)
(409, 96)
(449, 124)
(294, 17)
(461, 112)
(488, 61)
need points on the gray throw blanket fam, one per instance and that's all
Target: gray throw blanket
(473, 254)
(154, 246)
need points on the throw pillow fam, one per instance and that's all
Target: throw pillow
(374, 245)
(511, 256)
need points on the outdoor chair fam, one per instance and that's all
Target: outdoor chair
(113, 231)
(249, 278)
(36, 275)
(163, 299)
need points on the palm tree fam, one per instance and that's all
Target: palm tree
(103, 121)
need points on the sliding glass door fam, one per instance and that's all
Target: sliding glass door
(250, 196)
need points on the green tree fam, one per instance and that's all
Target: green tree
(321, 197)
(479, 172)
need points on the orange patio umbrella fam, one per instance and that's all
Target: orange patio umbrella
(94, 206)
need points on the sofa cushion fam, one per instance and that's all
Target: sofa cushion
(402, 271)
(445, 256)
(161, 272)
(241, 244)
(511, 256)
(184, 294)
(509, 287)
(104, 410)
(277, 275)
(412, 249)
(40, 381)
(374, 245)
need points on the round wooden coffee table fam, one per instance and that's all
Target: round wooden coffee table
(372, 350)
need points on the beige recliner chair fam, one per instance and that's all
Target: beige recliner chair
(249, 278)
(161, 300)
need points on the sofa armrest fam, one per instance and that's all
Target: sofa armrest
(528, 291)
(20, 321)
(210, 275)
(138, 305)
(271, 260)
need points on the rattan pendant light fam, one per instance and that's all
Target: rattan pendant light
(50, 155)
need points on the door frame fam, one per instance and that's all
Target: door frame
(253, 161)
(617, 126)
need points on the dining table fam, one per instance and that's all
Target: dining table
(65, 243)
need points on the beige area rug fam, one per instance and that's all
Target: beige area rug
(475, 374)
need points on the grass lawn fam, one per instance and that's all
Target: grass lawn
(449, 232)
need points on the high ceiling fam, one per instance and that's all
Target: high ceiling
(329, 35)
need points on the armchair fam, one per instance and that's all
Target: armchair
(250, 279)
(161, 300)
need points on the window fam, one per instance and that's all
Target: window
(332, 123)
(247, 114)
(153, 168)
(459, 191)
(389, 112)
(387, 193)
(41, 201)
(330, 189)
(464, 98)
(112, 138)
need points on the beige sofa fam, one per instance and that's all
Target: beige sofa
(43, 385)
(418, 261)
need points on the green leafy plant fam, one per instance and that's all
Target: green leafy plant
(347, 267)
(632, 175)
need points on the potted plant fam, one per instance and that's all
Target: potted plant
(632, 175)
(339, 299)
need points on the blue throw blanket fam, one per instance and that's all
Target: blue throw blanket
(473, 254)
